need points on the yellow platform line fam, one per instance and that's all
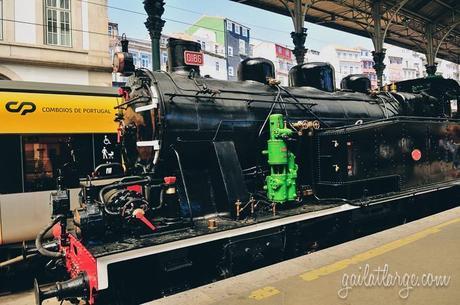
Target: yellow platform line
(270, 291)
(359, 258)
(263, 293)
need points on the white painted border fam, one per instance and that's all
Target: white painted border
(104, 261)
(154, 143)
(145, 108)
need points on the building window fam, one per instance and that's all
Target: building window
(217, 66)
(245, 32)
(230, 51)
(203, 44)
(145, 60)
(237, 29)
(230, 71)
(135, 59)
(164, 58)
(229, 26)
(1, 19)
(242, 46)
(163, 41)
(57, 15)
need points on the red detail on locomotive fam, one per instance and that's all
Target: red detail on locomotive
(78, 260)
(137, 188)
(416, 154)
(123, 93)
(170, 180)
(119, 134)
(140, 214)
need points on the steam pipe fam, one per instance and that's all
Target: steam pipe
(38, 241)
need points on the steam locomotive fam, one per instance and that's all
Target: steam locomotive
(222, 177)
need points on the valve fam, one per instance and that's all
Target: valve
(140, 214)
(170, 200)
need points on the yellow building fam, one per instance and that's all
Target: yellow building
(59, 41)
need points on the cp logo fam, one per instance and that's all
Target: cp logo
(24, 107)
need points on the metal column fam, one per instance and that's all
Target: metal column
(300, 32)
(378, 37)
(431, 64)
(154, 24)
(299, 35)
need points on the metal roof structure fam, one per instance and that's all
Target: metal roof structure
(428, 26)
(406, 23)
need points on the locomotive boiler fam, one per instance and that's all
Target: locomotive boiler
(220, 176)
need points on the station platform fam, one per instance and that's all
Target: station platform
(402, 265)
(416, 263)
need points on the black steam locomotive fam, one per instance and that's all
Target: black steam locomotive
(222, 177)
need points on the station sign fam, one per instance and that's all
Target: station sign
(193, 58)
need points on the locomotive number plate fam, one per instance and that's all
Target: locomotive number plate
(193, 58)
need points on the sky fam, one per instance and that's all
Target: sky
(180, 14)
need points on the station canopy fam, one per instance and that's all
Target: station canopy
(407, 22)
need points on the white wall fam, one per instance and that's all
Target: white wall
(209, 37)
(24, 11)
(209, 67)
(310, 57)
(49, 75)
(329, 53)
(264, 50)
(448, 69)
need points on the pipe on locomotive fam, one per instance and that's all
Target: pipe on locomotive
(39, 240)
(122, 184)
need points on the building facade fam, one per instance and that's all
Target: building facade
(214, 66)
(349, 62)
(55, 41)
(237, 46)
(281, 56)
(214, 61)
(449, 69)
(345, 61)
(313, 56)
(401, 64)
(223, 37)
(367, 66)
